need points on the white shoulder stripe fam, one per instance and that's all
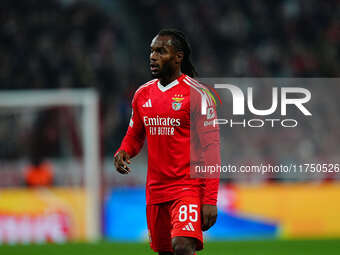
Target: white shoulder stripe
(192, 86)
(198, 88)
(203, 95)
(194, 82)
(145, 85)
(149, 82)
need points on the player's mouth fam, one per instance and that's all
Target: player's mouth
(154, 68)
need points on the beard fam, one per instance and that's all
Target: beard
(156, 74)
(166, 70)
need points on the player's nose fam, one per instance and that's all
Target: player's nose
(153, 57)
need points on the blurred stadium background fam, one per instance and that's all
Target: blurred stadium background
(102, 47)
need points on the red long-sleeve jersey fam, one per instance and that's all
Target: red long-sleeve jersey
(178, 135)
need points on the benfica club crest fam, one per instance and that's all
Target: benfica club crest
(177, 102)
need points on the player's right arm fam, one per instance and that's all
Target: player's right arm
(132, 142)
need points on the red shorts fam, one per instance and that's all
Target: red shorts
(181, 217)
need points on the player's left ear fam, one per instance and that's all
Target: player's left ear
(179, 57)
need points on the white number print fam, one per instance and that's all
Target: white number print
(183, 213)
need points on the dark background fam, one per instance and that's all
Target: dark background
(105, 45)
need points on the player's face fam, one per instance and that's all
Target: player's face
(162, 57)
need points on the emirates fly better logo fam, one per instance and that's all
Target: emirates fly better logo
(289, 97)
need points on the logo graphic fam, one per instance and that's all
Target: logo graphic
(211, 113)
(177, 102)
(189, 227)
(147, 103)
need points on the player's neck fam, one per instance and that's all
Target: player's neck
(170, 78)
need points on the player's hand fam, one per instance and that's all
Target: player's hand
(209, 216)
(121, 160)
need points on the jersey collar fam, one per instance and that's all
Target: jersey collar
(167, 87)
(171, 84)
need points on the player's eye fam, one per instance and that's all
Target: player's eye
(158, 50)
(154, 50)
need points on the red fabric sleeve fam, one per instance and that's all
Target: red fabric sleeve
(209, 138)
(210, 189)
(135, 135)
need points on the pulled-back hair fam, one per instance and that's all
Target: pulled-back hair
(181, 44)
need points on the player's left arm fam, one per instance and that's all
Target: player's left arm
(211, 149)
(209, 138)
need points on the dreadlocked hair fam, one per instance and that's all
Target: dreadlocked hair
(181, 44)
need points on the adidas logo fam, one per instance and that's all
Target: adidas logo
(189, 227)
(147, 103)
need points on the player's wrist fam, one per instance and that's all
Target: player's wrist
(209, 202)
(120, 151)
